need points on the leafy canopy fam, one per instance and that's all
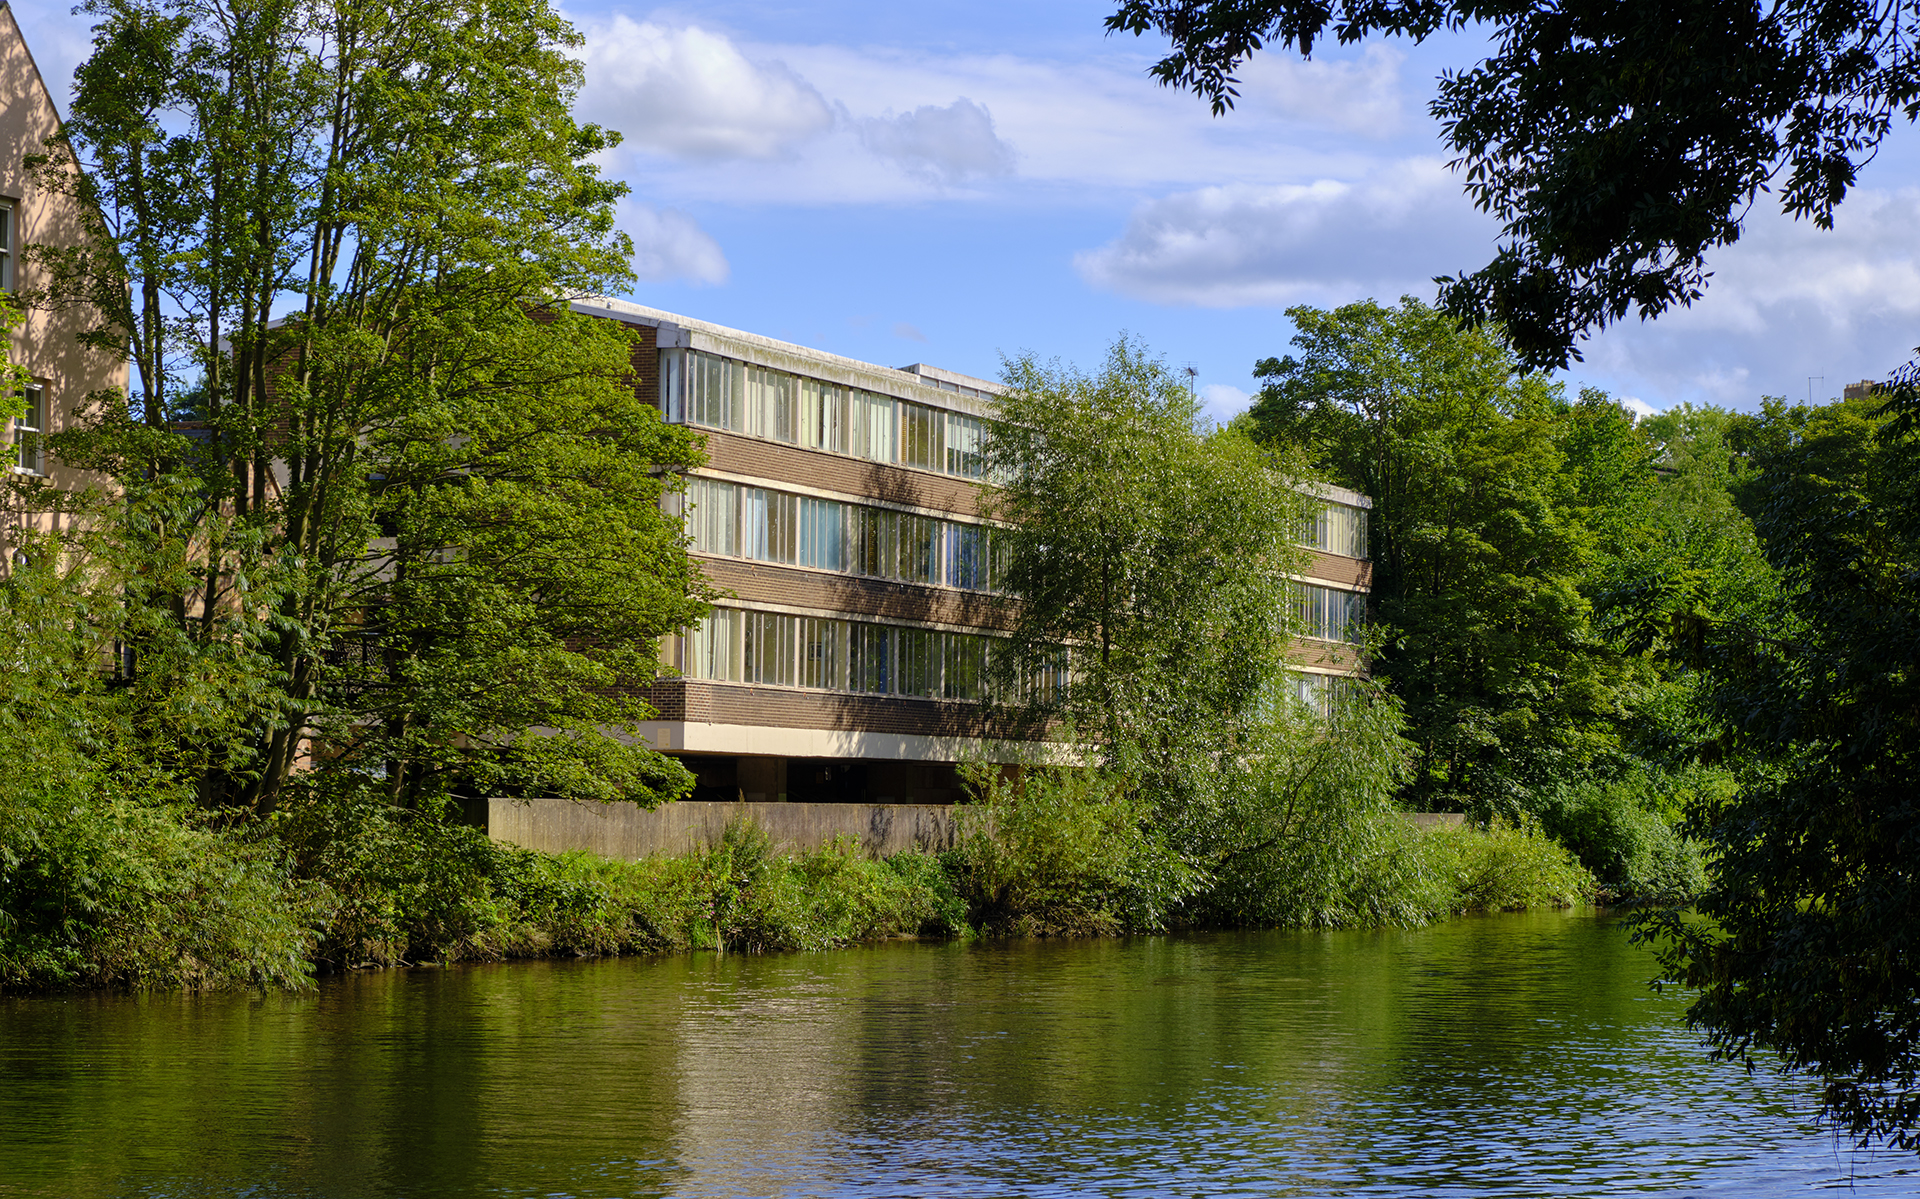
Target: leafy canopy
(379, 504)
(1809, 946)
(1480, 550)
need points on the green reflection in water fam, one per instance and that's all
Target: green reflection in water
(1519, 1055)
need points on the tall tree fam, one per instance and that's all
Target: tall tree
(1809, 947)
(1153, 556)
(1619, 144)
(380, 499)
(1479, 552)
(1158, 550)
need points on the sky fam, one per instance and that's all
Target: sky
(960, 183)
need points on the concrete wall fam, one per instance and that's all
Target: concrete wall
(624, 831)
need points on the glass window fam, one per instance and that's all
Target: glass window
(770, 404)
(823, 653)
(716, 385)
(869, 658)
(916, 662)
(713, 646)
(769, 525)
(769, 648)
(964, 673)
(822, 535)
(969, 561)
(923, 436)
(1337, 529)
(822, 420)
(713, 518)
(919, 549)
(27, 428)
(876, 542)
(965, 439)
(673, 391)
(7, 249)
(871, 432)
(1327, 613)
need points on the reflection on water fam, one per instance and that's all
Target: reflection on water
(1517, 1055)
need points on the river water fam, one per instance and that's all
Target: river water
(1513, 1055)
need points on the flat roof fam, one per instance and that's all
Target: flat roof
(919, 382)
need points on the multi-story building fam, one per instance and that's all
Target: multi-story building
(839, 515)
(46, 342)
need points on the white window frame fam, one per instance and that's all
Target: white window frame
(9, 234)
(31, 460)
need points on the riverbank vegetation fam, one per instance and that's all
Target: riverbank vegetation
(136, 895)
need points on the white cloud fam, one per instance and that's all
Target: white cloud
(906, 332)
(948, 145)
(668, 244)
(1326, 242)
(1640, 408)
(691, 93)
(1788, 303)
(1223, 401)
(1355, 96)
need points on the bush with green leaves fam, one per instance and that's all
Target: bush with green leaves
(1064, 851)
(1625, 831)
(1503, 867)
(123, 893)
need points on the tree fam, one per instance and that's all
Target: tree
(1152, 555)
(1618, 144)
(1479, 548)
(1156, 550)
(381, 503)
(1808, 947)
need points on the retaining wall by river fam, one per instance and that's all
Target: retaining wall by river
(616, 830)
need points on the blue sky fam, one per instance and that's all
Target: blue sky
(948, 183)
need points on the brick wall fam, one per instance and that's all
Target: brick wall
(834, 472)
(703, 702)
(760, 582)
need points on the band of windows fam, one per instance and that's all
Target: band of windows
(734, 645)
(732, 521)
(1320, 694)
(1336, 529)
(720, 393)
(1328, 613)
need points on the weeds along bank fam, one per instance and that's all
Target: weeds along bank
(147, 896)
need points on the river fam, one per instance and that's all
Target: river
(1513, 1055)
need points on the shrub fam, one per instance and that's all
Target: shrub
(1624, 831)
(117, 893)
(410, 885)
(1505, 868)
(1062, 852)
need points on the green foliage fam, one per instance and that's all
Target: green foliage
(1057, 851)
(1618, 143)
(406, 885)
(1808, 949)
(123, 893)
(1479, 541)
(1153, 546)
(404, 526)
(1305, 829)
(1625, 831)
(1505, 868)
